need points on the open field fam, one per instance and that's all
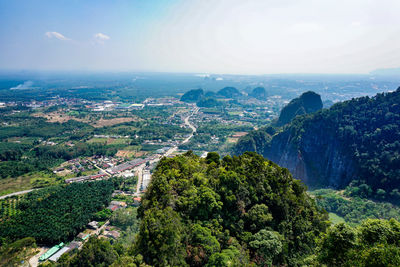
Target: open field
(61, 117)
(25, 182)
(99, 140)
(118, 141)
(10, 185)
(232, 140)
(58, 117)
(130, 153)
(109, 141)
(110, 122)
(125, 153)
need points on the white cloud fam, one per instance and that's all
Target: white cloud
(302, 28)
(101, 36)
(57, 35)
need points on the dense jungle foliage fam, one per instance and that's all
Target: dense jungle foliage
(375, 243)
(240, 210)
(192, 95)
(308, 102)
(354, 210)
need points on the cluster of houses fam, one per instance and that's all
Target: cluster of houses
(114, 205)
(110, 164)
(109, 105)
(55, 252)
(163, 101)
(75, 166)
(54, 101)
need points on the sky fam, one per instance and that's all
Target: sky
(205, 36)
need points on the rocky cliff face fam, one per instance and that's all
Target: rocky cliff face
(317, 157)
(352, 140)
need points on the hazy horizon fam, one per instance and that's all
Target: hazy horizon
(220, 37)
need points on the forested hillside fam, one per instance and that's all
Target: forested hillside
(226, 212)
(229, 92)
(259, 93)
(308, 102)
(193, 95)
(356, 140)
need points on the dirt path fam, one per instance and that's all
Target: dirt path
(17, 193)
(34, 261)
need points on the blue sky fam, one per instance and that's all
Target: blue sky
(219, 36)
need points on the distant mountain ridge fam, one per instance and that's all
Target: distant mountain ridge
(386, 72)
(214, 99)
(209, 98)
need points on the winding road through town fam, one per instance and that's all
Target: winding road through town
(139, 169)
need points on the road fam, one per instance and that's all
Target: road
(17, 193)
(139, 172)
(104, 171)
(139, 169)
(191, 126)
(102, 227)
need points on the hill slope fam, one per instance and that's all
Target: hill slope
(229, 92)
(259, 93)
(226, 213)
(354, 140)
(308, 102)
(193, 95)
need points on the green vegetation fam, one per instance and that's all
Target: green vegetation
(335, 219)
(240, 211)
(209, 102)
(373, 243)
(204, 138)
(99, 252)
(259, 93)
(30, 180)
(160, 131)
(255, 141)
(8, 207)
(193, 95)
(38, 127)
(229, 92)
(102, 215)
(126, 220)
(355, 142)
(96, 252)
(43, 157)
(198, 211)
(354, 210)
(14, 253)
(308, 102)
(56, 213)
